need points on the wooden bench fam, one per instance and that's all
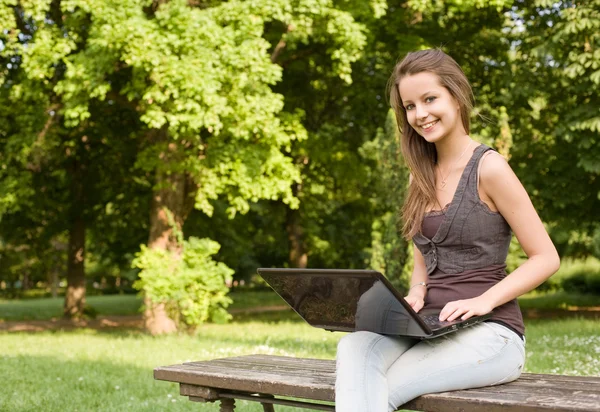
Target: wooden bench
(266, 379)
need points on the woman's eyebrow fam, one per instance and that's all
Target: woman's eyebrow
(423, 95)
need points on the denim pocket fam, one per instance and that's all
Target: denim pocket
(512, 352)
(508, 336)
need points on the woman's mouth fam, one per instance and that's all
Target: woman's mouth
(427, 126)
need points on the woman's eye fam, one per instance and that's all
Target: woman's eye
(430, 99)
(410, 106)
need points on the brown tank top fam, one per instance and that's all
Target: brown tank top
(467, 245)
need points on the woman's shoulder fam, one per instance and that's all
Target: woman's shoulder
(495, 175)
(493, 166)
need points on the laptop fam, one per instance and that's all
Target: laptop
(348, 300)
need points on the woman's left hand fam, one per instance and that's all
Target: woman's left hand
(465, 309)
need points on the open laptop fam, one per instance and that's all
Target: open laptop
(349, 300)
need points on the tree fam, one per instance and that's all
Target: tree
(199, 78)
(555, 117)
(61, 170)
(390, 249)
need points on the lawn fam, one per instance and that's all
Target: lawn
(111, 305)
(91, 370)
(558, 300)
(48, 308)
(87, 370)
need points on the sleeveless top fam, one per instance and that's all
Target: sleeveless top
(465, 248)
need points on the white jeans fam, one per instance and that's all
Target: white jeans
(377, 373)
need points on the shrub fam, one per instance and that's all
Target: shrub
(592, 281)
(582, 282)
(574, 283)
(192, 287)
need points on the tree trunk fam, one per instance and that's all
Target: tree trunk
(298, 254)
(75, 294)
(170, 204)
(53, 282)
(55, 265)
(54, 286)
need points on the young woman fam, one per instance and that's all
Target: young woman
(462, 202)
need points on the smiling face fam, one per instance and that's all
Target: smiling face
(430, 108)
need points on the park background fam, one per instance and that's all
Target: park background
(171, 147)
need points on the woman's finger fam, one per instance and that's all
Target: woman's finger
(457, 312)
(468, 315)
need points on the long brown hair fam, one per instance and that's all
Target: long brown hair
(420, 155)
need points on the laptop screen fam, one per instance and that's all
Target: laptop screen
(343, 300)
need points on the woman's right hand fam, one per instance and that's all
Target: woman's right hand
(416, 302)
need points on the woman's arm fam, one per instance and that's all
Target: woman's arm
(500, 184)
(417, 291)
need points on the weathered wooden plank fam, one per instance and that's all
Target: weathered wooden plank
(274, 363)
(508, 396)
(211, 368)
(561, 378)
(208, 394)
(276, 384)
(275, 401)
(315, 379)
(251, 363)
(308, 377)
(314, 366)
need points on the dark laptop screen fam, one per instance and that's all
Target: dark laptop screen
(334, 300)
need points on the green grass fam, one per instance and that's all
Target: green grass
(558, 300)
(86, 370)
(48, 308)
(252, 298)
(112, 305)
(92, 370)
(566, 346)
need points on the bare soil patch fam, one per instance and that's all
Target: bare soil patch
(102, 322)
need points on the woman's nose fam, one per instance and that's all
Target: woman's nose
(421, 112)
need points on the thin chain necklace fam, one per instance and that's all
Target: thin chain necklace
(445, 180)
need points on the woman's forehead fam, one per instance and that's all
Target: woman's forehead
(415, 85)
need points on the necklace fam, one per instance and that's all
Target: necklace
(445, 179)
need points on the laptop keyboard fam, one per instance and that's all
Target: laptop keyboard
(434, 320)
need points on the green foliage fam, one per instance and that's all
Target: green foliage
(577, 276)
(554, 111)
(516, 256)
(389, 250)
(193, 287)
(582, 282)
(274, 108)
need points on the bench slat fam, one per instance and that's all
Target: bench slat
(282, 384)
(507, 397)
(315, 379)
